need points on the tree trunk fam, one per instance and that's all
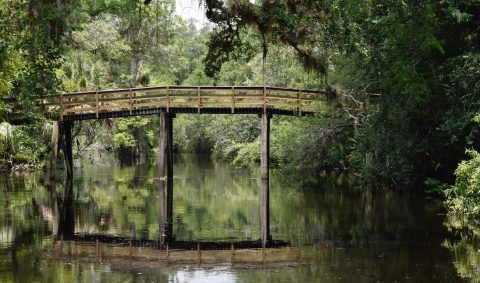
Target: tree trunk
(135, 64)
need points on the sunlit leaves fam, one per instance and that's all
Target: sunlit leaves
(464, 196)
(101, 36)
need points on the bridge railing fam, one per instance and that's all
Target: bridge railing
(199, 97)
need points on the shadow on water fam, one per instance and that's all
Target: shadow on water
(334, 229)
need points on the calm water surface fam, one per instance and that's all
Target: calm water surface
(350, 235)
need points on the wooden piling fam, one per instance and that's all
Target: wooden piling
(70, 249)
(199, 255)
(232, 258)
(167, 254)
(54, 150)
(61, 246)
(264, 167)
(264, 257)
(67, 146)
(67, 212)
(97, 250)
(265, 145)
(100, 251)
(169, 213)
(161, 176)
(161, 143)
(131, 250)
(169, 146)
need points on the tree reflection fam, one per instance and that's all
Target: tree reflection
(466, 249)
(345, 227)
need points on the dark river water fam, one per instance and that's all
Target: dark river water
(333, 230)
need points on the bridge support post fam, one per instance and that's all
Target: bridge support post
(54, 150)
(66, 129)
(264, 167)
(165, 153)
(161, 180)
(67, 215)
(169, 127)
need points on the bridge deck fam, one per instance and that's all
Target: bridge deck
(183, 99)
(181, 110)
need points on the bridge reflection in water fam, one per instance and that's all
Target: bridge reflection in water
(167, 251)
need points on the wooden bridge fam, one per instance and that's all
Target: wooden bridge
(183, 99)
(167, 101)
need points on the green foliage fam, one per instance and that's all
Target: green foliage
(223, 135)
(406, 51)
(21, 145)
(299, 25)
(466, 246)
(464, 196)
(10, 57)
(131, 136)
(463, 99)
(30, 51)
(123, 140)
(189, 133)
(224, 45)
(118, 44)
(7, 137)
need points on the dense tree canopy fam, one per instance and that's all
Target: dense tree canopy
(416, 54)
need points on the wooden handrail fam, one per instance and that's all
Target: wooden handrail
(156, 88)
(200, 97)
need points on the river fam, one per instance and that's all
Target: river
(331, 230)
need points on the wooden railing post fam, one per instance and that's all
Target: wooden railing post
(264, 92)
(168, 98)
(130, 102)
(61, 107)
(299, 100)
(97, 104)
(199, 99)
(233, 99)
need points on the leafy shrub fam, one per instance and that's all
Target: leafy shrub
(464, 196)
(123, 140)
